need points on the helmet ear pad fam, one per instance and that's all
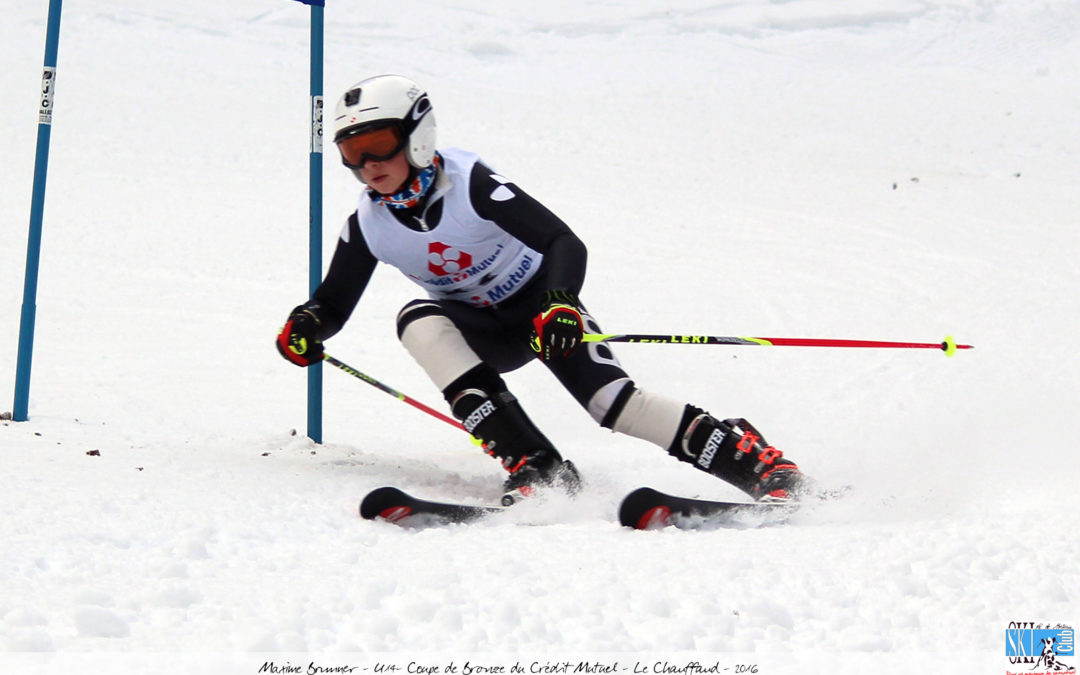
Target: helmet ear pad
(420, 148)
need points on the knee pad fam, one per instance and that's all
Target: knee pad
(434, 342)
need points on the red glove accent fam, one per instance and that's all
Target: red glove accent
(299, 340)
(558, 328)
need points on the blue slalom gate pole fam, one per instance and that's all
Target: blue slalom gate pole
(37, 211)
(315, 372)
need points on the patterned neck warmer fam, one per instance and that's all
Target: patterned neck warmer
(410, 195)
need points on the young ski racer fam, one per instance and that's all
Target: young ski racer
(502, 276)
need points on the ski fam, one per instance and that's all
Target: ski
(642, 509)
(398, 507)
(649, 509)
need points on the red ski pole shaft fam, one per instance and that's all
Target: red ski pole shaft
(948, 345)
(393, 392)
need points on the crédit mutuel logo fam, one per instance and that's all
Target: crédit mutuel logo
(1040, 648)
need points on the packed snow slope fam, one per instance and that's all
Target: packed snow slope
(888, 170)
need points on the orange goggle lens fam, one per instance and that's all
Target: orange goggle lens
(378, 145)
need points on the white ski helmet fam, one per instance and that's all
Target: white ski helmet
(389, 99)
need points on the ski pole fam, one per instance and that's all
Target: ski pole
(948, 345)
(393, 392)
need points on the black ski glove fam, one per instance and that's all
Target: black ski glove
(558, 328)
(299, 340)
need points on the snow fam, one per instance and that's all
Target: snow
(899, 170)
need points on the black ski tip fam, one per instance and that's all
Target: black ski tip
(649, 509)
(643, 509)
(379, 501)
(395, 506)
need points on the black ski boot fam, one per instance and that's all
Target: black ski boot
(734, 450)
(493, 415)
(540, 470)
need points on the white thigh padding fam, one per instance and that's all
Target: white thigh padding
(439, 347)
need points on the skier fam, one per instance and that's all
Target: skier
(502, 275)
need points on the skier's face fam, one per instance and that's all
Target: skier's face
(388, 176)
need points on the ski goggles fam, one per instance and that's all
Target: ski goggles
(377, 145)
